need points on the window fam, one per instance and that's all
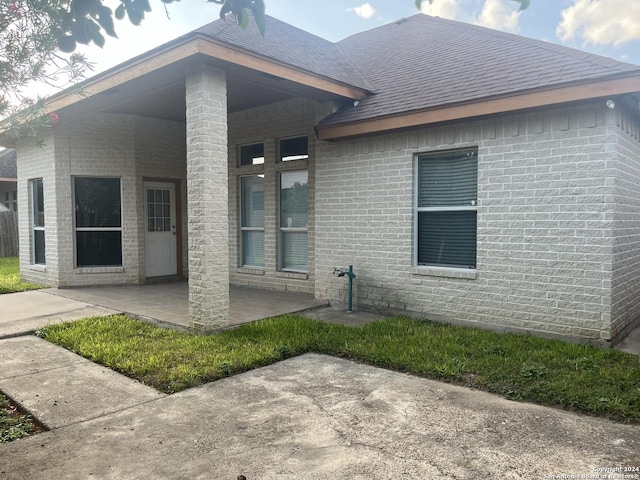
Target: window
(37, 219)
(252, 154)
(446, 191)
(252, 220)
(294, 149)
(294, 202)
(98, 221)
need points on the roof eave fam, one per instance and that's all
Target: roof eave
(188, 46)
(505, 104)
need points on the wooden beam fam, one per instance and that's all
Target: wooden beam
(280, 70)
(126, 73)
(555, 96)
(145, 65)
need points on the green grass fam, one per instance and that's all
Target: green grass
(10, 277)
(14, 424)
(519, 367)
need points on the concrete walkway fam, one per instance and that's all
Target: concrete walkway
(311, 417)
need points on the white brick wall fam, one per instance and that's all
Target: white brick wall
(208, 198)
(35, 162)
(624, 173)
(160, 153)
(544, 238)
(269, 124)
(123, 146)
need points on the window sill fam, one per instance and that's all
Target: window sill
(37, 268)
(463, 273)
(83, 270)
(297, 275)
(251, 271)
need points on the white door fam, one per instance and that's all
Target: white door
(160, 226)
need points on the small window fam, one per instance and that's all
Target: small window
(98, 221)
(294, 149)
(446, 209)
(294, 214)
(252, 154)
(252, 220)
(37, 222)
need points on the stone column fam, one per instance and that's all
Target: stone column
(207, 198)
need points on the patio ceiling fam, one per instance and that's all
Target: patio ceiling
(158, 89)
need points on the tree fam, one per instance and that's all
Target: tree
(38, 38)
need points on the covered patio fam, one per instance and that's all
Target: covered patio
(167, 303)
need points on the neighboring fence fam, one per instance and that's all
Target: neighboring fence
(8, 234)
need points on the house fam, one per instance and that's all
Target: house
(467, 174)
(8, 181)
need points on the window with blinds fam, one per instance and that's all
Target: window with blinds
(294, 209)
(252, 220)
(446, 208)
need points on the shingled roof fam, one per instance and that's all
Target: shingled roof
(289, 45)
(8, 168)
(424, 62)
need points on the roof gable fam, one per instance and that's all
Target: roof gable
(290, 45)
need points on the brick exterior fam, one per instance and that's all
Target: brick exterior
(545, 238)
(267, 125)
(624, 174)
(36, 162)
(208, 198)
(558, 223)
(109, 145)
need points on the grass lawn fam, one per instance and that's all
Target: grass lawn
(519, 367)
(10, 277)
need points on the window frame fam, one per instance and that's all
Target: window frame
(34, 222)
(299, 158)
(283, 230)
(418, 209)
(248, 145)
(243, 228)
(77, 229)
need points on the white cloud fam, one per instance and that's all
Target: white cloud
(499, 15)
(365, 11)
(442, 8)
(601, 21)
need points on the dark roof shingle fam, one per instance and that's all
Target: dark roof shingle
(8, 167)
(290, 45)
(424, 62)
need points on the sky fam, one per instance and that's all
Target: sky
(604, 27)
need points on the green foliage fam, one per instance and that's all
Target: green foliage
(83, 21)
(14, 424)
(10, 277)
(519, 367)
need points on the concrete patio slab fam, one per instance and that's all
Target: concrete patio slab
(167, 302)
(24, 312)
(319, 417)
(61, 388)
